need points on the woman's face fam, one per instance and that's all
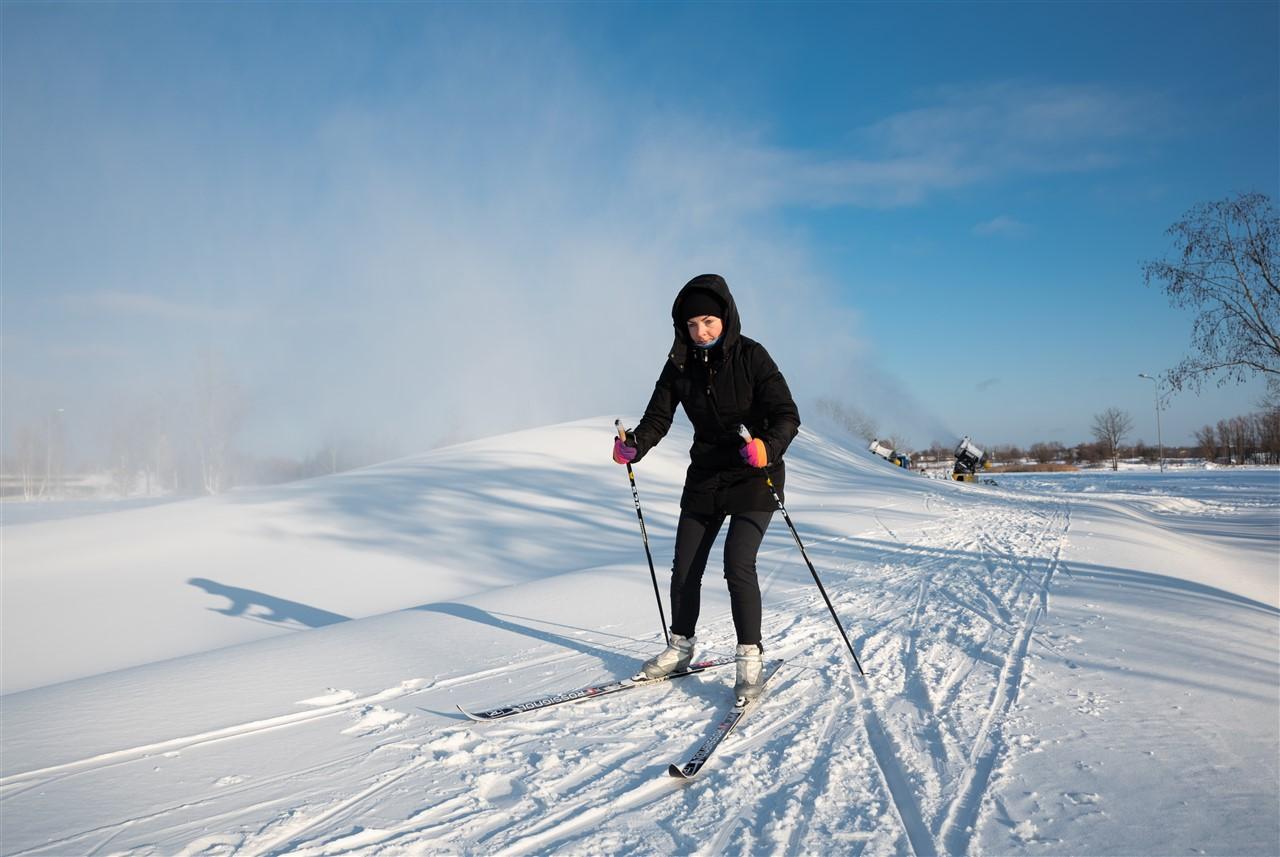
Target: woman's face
(704, 329)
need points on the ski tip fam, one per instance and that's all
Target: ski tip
(677, 773)
(483, 716)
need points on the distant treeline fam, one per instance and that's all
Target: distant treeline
(163, 467)
(185, 441)
(1249, 439)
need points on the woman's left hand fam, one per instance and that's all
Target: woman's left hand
(622, 452)
(754, 453)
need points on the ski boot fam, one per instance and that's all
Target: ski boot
(673, 659)
(750, 681)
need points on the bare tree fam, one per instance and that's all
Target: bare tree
(1227, 268)
(1225, 448)
(1271, 398)
(941, 452)
(1268, 427)
(153, 422)
(124, 459)
(220, 407)
(55, 453)
(30, 457)
(1207, 439)
(1243, 437)
(1046, 453)
(1090, 452)
(1006, 453)
(137, 443)
(1110, 427)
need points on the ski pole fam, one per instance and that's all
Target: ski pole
(746, 436)
(644, 534)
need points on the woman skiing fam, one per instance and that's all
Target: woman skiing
(723, 380)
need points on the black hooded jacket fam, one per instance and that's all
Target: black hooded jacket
(734, 382)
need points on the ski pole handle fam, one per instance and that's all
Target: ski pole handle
(622, 431)
(747, 441)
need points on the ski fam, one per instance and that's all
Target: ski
(690, 768)
(590, 692)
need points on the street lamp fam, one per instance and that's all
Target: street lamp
(1159, 439)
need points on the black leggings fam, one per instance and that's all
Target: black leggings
(695, 534)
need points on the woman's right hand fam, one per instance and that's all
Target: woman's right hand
(622, 452)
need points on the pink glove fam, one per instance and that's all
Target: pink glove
(754, 453)
(623, 454)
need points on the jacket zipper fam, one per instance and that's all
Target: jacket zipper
(711, 392)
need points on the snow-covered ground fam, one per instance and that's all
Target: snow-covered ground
(17, 511)
(1060, 664)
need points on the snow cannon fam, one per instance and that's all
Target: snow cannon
(969, 459)
(881, 450)
(889, 454)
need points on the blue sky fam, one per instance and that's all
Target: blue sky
(428, 222)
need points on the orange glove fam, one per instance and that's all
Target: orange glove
(754, 453)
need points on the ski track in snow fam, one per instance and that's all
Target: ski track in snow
(943, 589)
(900, 762)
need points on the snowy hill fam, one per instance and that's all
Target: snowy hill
(278, 670)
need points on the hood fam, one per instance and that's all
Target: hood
(716, 285)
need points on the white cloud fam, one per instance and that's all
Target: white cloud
(1013, 126)
(966, 137)
(1002, 226)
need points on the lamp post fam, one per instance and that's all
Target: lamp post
(1159, 439)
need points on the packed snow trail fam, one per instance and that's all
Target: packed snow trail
(348, 739)
(817, 760)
